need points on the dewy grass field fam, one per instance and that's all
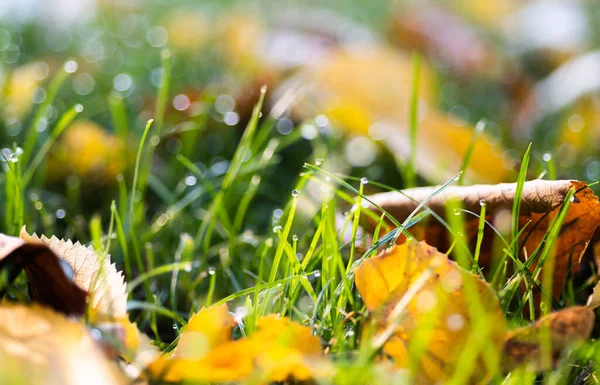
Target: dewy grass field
(207, 192)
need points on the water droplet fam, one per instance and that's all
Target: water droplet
(188, 267)
(190, 180)
(574, 199)
(174, 326)
(295, 238)
(212, 270)
(317, 273)
(482, 202)
(547, 157)
(277, 229)
(456, 211)
(71, 66)
(364, 180)
(263, 89)
(319, 161)
(60, 213)
(350, 333)
(295, 193)
(79, 108)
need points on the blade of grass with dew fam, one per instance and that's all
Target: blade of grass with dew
(204, 233)
(516, 210)
(413, 121)
(96, 231)
(13, 190)
(479, 127)
(479, 241)
(163, 269)
(56, 83)
(62, 124)
(159, 116)
(109, 235)
(116, 106)
(457, 223)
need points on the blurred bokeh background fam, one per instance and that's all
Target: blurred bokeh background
(340, 74)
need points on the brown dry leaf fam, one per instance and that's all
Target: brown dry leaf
(40, 346)
(540, 203)
(279, 350)
(366, 90)
(524, 346)
(92, 272)
(106, 290)
(454, 305)
(50, 280)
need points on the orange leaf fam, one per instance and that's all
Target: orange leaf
(279, 350)
(367, 91)
(540, 203)
(453, 307)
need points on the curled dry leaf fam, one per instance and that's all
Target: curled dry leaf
(540, 203)
(50, 279)
(367, 91)
(450, 310)
(40, 346)
(106, 290)
(279, 350)
(525, 346)
(92, 272)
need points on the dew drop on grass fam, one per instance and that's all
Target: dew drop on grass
(277, 229)
(212, 270)
(295, 238)
(317, 273)
(318, 161)
(295, 193)
(547, 157)
(456, 211)
(71, 66)
(174, 326)
(482, 202)
(364, 180)
(190, 180)
(79, 108)
(188, 267)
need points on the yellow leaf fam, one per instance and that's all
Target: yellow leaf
(40, 346)
(207, 329)
(367, 91)
(279, 350)
(285, 349)
(19, 89)
(187, 30)
(88, 151)
(435, 310)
